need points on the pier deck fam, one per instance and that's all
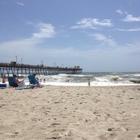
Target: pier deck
(13, 68)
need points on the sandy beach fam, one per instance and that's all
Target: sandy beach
(70, 113)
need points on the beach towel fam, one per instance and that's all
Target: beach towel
(26, 87)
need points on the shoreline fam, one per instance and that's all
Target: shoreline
(78, 84)
(66, 112)
(96, 79)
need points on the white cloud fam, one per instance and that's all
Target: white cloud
(32, 44)
(119, 11)
(92, 23)
(19, 3)
(129, 30)
(130, 18)
(45, 31)
(104, 39)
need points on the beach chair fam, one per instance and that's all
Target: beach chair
(12, 82)
(33, 81)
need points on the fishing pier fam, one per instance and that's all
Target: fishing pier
(25, 69)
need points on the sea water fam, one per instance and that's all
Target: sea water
(96, 79)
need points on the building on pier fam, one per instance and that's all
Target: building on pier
(25, 69)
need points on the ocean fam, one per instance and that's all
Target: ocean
(96, 79)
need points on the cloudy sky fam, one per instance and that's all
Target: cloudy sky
(98, 35)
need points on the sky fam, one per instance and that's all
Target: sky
(97, 35)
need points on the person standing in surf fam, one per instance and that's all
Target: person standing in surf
(88, 82)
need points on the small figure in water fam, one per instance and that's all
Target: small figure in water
(44, 80)
(88, 82)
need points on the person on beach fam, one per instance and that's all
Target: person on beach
(17, 82)
(37, 80)
(36, 77)
(88, 82)
(4, 79)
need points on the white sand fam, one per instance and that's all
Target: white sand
(70, 113)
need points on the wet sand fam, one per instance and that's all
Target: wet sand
(70, 113)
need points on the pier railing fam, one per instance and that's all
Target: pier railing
(13, 68)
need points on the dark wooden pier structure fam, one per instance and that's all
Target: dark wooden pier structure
(25, 69)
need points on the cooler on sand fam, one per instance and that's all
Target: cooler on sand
(2, 86)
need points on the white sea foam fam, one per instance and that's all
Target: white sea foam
(96, 79)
